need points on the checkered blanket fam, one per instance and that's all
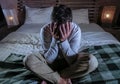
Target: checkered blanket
(12, 70)
(108, 71)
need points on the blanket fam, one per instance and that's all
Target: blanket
(12, 70)
(108, 71)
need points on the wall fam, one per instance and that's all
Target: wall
(102, 3)
(8, 4)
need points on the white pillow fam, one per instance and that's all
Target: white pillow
(80, 16)
(38, 15)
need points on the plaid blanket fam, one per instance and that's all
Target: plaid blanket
(12, 70)
(108, 71)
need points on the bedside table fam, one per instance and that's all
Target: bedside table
(4, 31)
(115, 31)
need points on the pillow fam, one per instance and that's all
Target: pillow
(38, 15)
(80, 16)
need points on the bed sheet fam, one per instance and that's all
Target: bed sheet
(19, 43)
(108, 71)
(35, 28)
(31, 28)
(26, 41)
(92, 34)
(92, 27)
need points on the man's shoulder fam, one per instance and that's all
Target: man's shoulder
(75, 26)
(45, 27)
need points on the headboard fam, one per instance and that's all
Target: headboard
(91, 5)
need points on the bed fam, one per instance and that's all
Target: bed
(25, 41)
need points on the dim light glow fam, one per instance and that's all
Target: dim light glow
(10, 18)
(107, 15)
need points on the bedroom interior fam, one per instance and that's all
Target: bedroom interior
(99, 21)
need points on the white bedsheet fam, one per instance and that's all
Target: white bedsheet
(7, 48)
(19, 43)
(26, 39)
(92, 27)
(30, 28)
(97, 38)
(35, 28)
(22, 38)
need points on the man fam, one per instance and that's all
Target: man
(58, 60)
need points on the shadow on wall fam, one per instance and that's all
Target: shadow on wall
(2, 18)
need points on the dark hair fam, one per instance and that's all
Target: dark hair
(61, 14)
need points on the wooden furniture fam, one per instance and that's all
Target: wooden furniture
(91, 5)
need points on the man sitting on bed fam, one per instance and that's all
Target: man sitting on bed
(58, 60)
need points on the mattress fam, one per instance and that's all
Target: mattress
(31, 28)
(26, 39)
(92, 27)
(35, 28)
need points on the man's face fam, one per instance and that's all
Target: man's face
(63, 26)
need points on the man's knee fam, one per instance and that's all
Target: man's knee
(32, 60)
(93, 63)
(27, 60)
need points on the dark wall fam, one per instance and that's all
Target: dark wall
(8, 4)
(2, 18)
(102, 3)
(1, 14)
(13, 4)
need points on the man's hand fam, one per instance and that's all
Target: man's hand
(65, 30)
(53, 27)
(62, 32)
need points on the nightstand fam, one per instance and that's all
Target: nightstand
(115, 31)
(4, 31)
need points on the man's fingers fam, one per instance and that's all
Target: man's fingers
(61, 32)
(70, 27)
(64, 29)
(52, 27)
(67, 27)
(49, 27)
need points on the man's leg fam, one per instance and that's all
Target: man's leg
(80, 68)
(37, 64)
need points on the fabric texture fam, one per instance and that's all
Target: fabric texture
(108, 56)
(80, 16)
(109, 65)
(12, 71)
(38, 15)
(37, 64)
(69, 47)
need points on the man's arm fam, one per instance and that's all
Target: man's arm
(70, 47)
(48, 45)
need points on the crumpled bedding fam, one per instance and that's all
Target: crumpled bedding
(22, 38)
(20, 43)
(96, 39)
(27, 43)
